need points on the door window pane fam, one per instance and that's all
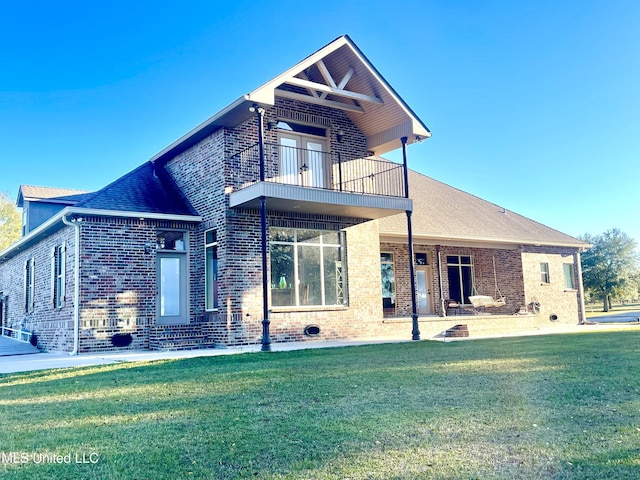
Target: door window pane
(288, 161)
(314, 177)
(169, 287)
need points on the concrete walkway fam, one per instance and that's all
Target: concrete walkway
(43, 361)
(10, 346)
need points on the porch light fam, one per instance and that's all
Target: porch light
(340, 136)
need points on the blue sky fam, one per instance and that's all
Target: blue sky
(533, 105)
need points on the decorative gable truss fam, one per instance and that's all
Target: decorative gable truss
(318, 93)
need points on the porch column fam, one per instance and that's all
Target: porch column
(266, 340)
(415, 331)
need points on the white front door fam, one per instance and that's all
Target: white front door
(172, 288)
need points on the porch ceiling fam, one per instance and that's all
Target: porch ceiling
(292, 198)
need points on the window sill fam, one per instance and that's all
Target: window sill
(310, 308)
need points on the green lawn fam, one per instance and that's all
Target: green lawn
(554, 407)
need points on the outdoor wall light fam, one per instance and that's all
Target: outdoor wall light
(272, 125)
(340, 136)
(148, 247)
(419, 139)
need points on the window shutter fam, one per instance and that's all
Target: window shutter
(53, 277)
(26, 286)
(33, 283)
(63, 273)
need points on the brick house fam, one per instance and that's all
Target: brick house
(277, 220)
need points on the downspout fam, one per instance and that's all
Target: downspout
(583, 310)
(76, 284)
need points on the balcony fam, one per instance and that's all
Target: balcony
(317, 182)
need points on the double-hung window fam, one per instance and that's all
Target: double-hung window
(211, 269)
(307, 267)
(544, 273)
(58, 275)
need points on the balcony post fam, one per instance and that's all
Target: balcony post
(266, 340)
(415, 331)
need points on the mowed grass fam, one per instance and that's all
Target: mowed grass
(596, 310)
(558, 407)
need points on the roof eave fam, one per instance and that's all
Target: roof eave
(469, 239)
(55, 222)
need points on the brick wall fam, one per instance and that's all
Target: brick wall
(203, 172)
(554, 297)
(52, 326)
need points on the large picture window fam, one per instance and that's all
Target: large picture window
(211, 269)
(460, 273)
(307, 267)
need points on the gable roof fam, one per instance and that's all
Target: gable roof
(447, 215)
(338, 75)
(65, 196)
(147, 189)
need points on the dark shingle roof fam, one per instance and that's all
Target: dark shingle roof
(147, 189)
(442, 211)
(65, 196)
